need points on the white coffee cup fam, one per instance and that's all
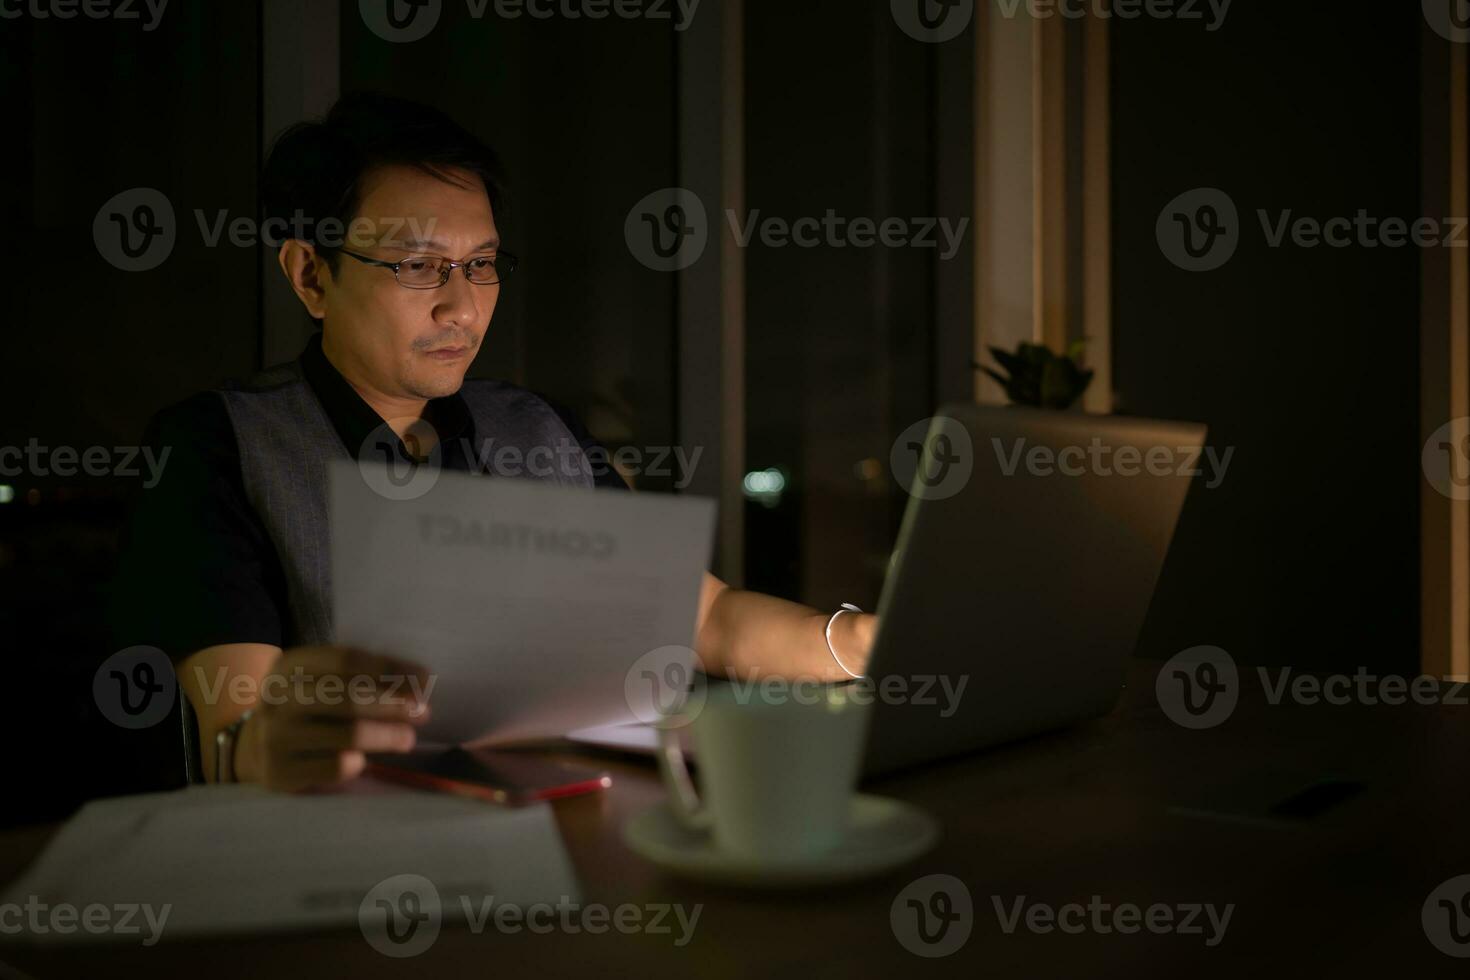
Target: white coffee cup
(777, 766)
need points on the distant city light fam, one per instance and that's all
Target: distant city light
(765, 486)
(868, 469)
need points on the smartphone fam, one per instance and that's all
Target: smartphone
(497, 776)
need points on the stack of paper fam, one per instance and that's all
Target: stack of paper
(237, 859)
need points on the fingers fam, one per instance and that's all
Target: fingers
(315, 772)
(323, 708)
(322, 736)
(339, 682)
(313, 753)
(372, 706)
(351, 662)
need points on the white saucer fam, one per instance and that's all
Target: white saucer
(882, 834)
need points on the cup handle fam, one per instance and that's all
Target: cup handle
(684, 798)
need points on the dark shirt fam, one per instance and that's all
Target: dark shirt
(198, 568)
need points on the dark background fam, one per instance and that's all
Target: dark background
(1304, 360)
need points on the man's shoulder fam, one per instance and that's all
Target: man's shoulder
(501, 401)
(267, 379)
(205, 413)
(201, 418)
(496, 401)
(498, 389)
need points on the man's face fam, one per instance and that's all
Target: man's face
(413, 343)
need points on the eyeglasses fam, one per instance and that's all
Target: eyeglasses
(432, 271)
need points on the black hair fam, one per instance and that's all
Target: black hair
(315, 169)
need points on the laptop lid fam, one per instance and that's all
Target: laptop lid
(1024, 566)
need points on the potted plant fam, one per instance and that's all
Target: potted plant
(1039, 378)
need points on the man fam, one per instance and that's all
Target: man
(401, 264)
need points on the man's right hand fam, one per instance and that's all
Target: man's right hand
(322, 709)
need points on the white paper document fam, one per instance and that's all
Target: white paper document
(535, 607)
(231, 859)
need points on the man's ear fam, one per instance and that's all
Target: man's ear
(307, 273)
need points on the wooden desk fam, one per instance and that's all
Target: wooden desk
(1108, 809)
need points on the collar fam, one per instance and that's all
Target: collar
(355, 420)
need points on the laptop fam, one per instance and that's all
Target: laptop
(1025, 562)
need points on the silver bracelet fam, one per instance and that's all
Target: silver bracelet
(846, 607)
(225, 743)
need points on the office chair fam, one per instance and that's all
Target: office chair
(193, 757)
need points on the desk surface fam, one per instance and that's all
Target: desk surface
(1130, 808)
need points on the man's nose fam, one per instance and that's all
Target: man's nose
(458, 303)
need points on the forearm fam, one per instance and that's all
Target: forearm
(750, 634)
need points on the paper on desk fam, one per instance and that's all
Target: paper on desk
(214, 860)
(529, 603)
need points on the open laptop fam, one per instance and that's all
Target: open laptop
(1025, 563)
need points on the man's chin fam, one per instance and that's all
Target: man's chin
(437, 384)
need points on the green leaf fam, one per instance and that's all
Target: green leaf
(1012, 363)
(1063, 384)
(1036, 354)
(1001, 379)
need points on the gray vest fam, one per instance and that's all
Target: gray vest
(286, 440)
